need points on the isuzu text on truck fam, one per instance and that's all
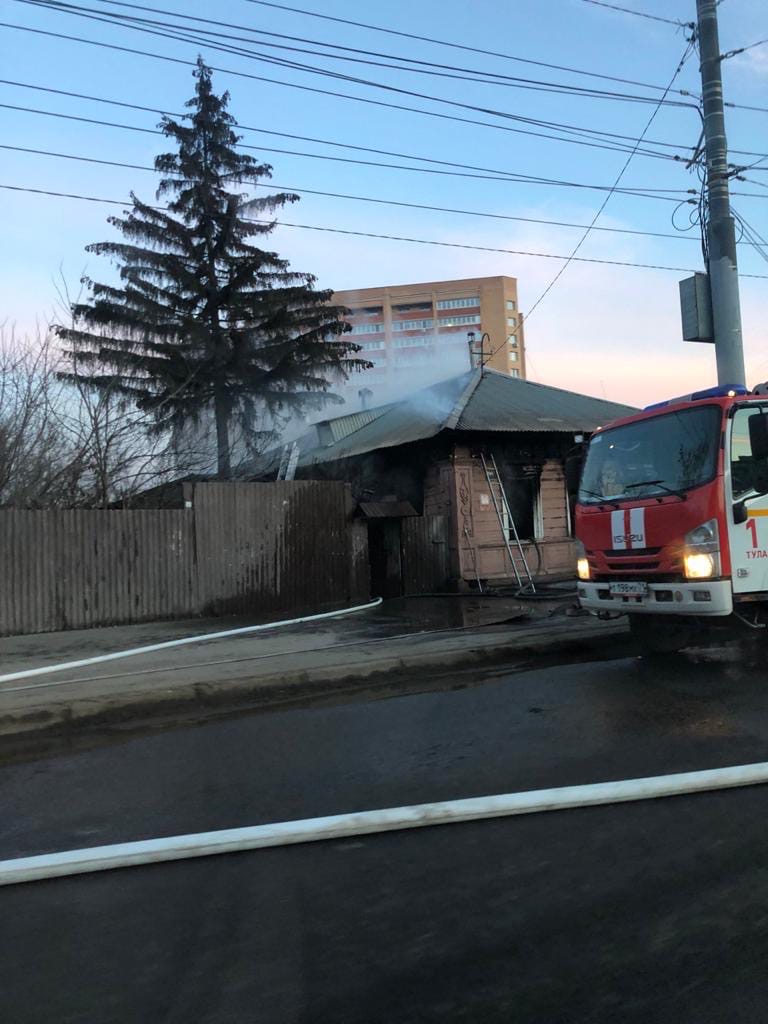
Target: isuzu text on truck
(672, 516)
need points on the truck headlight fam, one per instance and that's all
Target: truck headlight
(582, 565)
(699, 565)
(701, 554)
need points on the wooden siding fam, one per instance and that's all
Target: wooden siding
(425, 554)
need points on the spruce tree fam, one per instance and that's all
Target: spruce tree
(204, 323)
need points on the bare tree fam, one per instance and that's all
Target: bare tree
(63, 444)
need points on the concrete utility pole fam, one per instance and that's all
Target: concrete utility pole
(721, 234)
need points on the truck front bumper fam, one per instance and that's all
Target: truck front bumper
(704, 598)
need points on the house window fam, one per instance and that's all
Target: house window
(513, 357)
(472, 300)
(521, 513)
(512, 305)
(512, 321)
(514, 373)
(512, 339)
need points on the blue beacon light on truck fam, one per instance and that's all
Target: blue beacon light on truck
(721, 391)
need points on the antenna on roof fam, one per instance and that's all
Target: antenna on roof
(479, 356)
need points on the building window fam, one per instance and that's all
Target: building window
(412, 358)
(472, 300)
(512, 357)
(412, 325)
(367, 311)
(514, 373)
(512, 339)
(368, 329)
(412, 341)
(368, 346)
(512, 321)
(457, 321)
(413, 307)
(512, 305)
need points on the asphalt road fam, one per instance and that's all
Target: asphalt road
(655, 911)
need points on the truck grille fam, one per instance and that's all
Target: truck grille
(623, 552)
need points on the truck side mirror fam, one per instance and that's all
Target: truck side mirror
(740, 514)
(758, 436)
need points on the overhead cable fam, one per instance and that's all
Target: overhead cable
(195, 38)
(454, 45)
(641, 14)
(611, 141)
(427, 67)
(506, 176)
(274, 81)
(378, 200)
(392, 238)
(625, 166)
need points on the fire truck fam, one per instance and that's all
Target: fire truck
(672, 517)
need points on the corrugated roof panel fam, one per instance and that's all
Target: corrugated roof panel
(343, 426)
(506, 403)
(471, 402)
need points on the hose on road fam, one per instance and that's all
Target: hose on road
(308, 830)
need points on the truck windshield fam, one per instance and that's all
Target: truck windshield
(668, 454)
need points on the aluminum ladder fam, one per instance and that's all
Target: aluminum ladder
(288, 462)
(514, 547)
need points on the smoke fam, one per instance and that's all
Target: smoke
(404, 360)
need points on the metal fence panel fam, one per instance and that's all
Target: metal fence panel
(261, 549)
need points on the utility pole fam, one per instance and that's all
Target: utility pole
(721, 233)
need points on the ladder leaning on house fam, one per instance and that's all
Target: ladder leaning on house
(288, 462)
(513, 545)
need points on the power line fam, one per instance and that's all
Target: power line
(455, 45)
(392, 238)
(294, 85)
(423, 66)
(594, 132)
(369, 199)
(507, 176)
(272, 81)
(603, 140)
(196, 38)
(640, 14)
(743, 49)
(561, 271)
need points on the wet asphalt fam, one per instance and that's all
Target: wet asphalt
(654, 911)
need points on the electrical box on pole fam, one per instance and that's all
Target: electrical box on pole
(696, 308)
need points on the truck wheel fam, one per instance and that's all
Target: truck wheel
(656, 634)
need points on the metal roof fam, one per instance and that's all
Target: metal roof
(499, 402)
(477, 402)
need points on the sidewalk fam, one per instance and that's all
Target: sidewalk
(366, 650)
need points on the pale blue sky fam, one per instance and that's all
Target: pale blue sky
(604, 330)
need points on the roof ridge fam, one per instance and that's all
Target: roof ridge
(461, 403)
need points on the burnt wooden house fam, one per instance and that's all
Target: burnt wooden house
(418, 469)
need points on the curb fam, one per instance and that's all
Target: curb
(77, 714)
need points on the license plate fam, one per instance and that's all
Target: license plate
(635, 589)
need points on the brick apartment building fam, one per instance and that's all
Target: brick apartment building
(422, 327)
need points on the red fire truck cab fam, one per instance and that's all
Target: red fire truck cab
(672, 516)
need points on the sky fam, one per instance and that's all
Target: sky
(603, 329)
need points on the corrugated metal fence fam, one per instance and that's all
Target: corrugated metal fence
(262, 549)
